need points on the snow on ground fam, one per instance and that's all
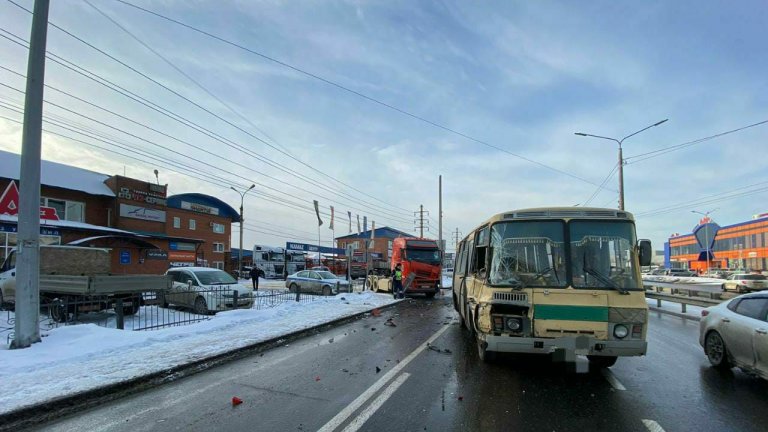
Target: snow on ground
(685, 280)
(76, 358)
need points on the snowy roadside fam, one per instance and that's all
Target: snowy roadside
(78, 358)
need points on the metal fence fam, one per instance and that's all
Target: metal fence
(153, 310)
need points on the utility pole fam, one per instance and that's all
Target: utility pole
(420, 220)
(26, 327)
(456, 235)
(240, 253)
(440, 214)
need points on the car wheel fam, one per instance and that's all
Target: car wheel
(293, 288)
(722, 287)
(716, 351)
(740, 289)
(326, 290)
(201, 307)
(602, 362)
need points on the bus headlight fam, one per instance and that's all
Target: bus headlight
(620, 331)
(514, 324)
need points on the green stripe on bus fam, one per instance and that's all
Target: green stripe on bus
(571, 313)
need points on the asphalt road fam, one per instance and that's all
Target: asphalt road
(330, 382)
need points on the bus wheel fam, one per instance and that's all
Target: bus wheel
(468, 320)
(455, 303)
(602, 362)
(485, 355)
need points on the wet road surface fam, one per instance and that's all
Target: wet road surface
(331, 382)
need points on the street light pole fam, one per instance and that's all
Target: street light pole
(240, 253)
(621, 158)
(706, 234)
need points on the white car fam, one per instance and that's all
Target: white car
(206, 290)
(735, 333)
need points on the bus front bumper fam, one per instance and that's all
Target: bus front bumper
(579, 345)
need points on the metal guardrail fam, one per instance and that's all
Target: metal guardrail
(691, 295)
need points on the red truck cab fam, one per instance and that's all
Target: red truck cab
(421, 257)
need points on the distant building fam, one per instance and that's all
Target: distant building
(743, 245)
(147, 230)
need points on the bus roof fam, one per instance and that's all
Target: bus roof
(559, 213)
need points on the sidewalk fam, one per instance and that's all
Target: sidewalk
(79, 359)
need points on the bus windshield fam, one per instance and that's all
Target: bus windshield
(528, 254)
(603, 255)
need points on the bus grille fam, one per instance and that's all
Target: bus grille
(517, 297)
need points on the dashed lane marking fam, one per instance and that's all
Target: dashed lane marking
(611, 378)
(360, 420)
(344, 414)
(652, 426)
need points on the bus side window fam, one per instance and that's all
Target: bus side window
(481, 251)
(461, 263)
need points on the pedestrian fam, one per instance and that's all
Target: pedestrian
(397, 282)
(255, 277)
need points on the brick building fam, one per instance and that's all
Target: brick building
(382, 241)
(147, 230)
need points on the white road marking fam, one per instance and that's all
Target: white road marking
(652, 426)
(611, 378)
(360, 420)
(344, 414)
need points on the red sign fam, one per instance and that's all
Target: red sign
(9, 204)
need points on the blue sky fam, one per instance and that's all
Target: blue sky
(523, 76)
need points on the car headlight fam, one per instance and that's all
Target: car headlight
(514, 324)
(620, 331)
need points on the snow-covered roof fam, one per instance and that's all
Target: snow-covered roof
(58, 175)
(47, 223)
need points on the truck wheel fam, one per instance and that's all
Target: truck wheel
(162, 300)
(431, 295)
(59, 312)
(201, 307)
(326, 291)
(134, 307)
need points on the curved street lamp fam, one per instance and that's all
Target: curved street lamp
(621, 158)
(240, 253)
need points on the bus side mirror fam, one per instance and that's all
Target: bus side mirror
(645, 252)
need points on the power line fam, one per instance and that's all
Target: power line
(192, 125)
(664, 150)
(354, 92)
(606, 180)
(709, 199)
(145, 76)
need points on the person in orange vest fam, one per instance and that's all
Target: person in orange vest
(397, 282)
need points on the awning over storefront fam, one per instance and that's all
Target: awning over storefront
(136, 240)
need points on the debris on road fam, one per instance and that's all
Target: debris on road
(317, 378)
(436, 349)
(390, 323)
(376, 312)
(378, 369)
(236, 401)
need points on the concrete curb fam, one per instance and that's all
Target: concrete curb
(59, 407)
(677, 314)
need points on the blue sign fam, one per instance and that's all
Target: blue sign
(304, 247)
(12, 228)
(125, 257)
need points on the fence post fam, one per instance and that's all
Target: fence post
(337, 287)
(658, 302)
(683, 306)
(298, 292)
(119, 310)
(234, 299)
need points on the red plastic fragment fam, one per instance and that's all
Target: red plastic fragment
(236, 401)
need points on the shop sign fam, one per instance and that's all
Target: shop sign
(181, 264)
(125, 257)
(199, 208)
(181, 246)
(12, 228)
(142, 213)
(9, 204)
(157, 198)
(157, 254)
(181, 256)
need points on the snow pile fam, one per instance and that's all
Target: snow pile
(76, 358)
(684, 280)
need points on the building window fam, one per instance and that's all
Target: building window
(176, 222)
(219, 265)
(218, 228)
(356, 245)
(66, 210)
(192, 224)
(218, 247)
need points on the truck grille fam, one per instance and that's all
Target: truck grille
(517, 297)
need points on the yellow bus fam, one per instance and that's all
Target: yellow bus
(559, 279)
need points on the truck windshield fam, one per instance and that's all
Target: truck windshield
(526, 254)
(603, 255)
(429, 256)
(214, 277)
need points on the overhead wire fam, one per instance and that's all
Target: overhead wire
(606, 180)
(147, 77)
(356, 93)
